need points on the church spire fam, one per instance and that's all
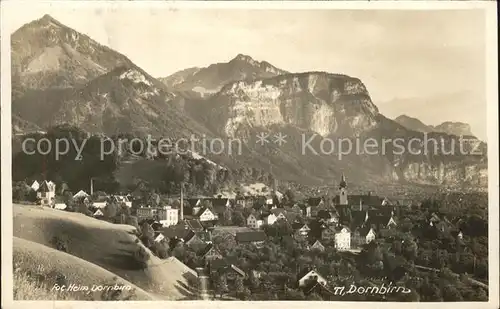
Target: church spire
(343, 184)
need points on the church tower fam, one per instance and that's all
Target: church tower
(343, 191)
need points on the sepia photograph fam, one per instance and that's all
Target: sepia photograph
(169, 152)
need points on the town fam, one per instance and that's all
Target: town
(221, 236)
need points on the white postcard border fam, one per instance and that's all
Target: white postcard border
(493, 158)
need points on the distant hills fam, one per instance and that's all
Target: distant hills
(448, 127)
(61, 76)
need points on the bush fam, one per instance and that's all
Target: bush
(60, 242)
(141, 256)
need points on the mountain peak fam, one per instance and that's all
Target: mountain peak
(246, 59)
(242, 57)
(47, 19)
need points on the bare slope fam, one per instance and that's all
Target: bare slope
(108, 245)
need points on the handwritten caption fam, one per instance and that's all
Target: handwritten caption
(364, 290)
(93, 288)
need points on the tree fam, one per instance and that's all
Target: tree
(241, 291)
(141, 257)
(160, 249)
(227, 217)
(147, 234)
(132, 220)
(290, 196)
(22, 192)
(111, 210)
(450, 293)
(238, 218)
(221, 285)
(82, 208)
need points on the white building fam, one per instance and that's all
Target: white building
(123, 199)
(60, 206)
(269, 219)
(370, 236)
(35, 185)
(343, 239)
(254, 222)
(46, 193)
(207, 215)
(311, 275)
(168, 216)
(80, 194)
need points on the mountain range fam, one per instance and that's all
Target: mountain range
(62, 76)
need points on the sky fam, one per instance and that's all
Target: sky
(406, 59)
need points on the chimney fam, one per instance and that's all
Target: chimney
(202, 283)
(91, 186)
(182, 201)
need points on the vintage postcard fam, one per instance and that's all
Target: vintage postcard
(269, 152)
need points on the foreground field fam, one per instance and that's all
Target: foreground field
(108, 246)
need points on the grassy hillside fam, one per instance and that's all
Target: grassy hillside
(38, 268)
(107, 245)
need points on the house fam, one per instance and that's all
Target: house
(168, 216)
(301, 230)
(315, 204)
(182, 235)
(206, 214)
(306, 210)
(254, 237)
(194, 225)
(310, 275)
(100, 202)
(294, 209)
(329, 216)
(315, 244)
(460, 235)
(122, 199)
(98, 213)
(342, 238)
(363, 235)
(314, 287)
(223, 266)
(280, 213)
(35, 185)
(360, 218)
(46, 193)
(442, 226)
(209, 253)
(220, 205)
(381, 221)
(80, 195)
(194, 241)
(145, 213)
(254, 221)
(159, 237)
(269, 218)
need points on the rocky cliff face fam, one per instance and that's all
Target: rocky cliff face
(449, 174)
(316, 101)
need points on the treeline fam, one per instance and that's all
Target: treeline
(164, 173)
